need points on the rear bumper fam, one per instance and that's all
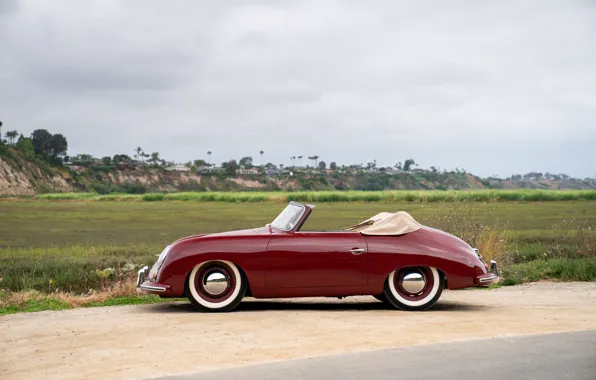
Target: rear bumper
(149, 287)
(492, 277)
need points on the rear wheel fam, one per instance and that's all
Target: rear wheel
(414, 289)
(215, 286)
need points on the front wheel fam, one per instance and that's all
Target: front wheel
(414, 289)
(215, 286)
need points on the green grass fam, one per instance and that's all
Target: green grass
(554, 269)
(39, 302)
(131, 300)
(134, 229)
(35, 304)
(424, 196)
(77, 246)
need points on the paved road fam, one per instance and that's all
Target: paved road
(550, 356)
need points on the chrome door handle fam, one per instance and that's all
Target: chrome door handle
(357, 251)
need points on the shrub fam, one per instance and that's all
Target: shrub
(152, 197)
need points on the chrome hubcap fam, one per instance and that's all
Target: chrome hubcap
(215, 283)
(413, 282)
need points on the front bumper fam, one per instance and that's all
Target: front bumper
(144, 286)
(492, 277)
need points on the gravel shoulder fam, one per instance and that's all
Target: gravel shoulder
(165, 339)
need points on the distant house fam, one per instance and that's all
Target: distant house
(272, 172)
(126, 165)
(178, 168)
(251, 171)
(210, 169)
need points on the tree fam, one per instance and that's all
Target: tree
(107, 160)
(199, 163)
(0, 131)
(209, 154)
(11, 135)
(26, 145)
(434, 170)
(58, 145)
(139, 151)
(300, 158)
(333, 166)
(246, 162)
(118, 158)
(230, 167)
(399, 166)
(41, 141)
(261, 153)
(322, 166)
(408, 164)
(155, 158)
(315, 159)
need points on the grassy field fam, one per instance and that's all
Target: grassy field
(83, 247)
(427, 196)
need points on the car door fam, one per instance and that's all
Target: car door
(316, 259)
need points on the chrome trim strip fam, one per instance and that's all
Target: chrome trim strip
(487, 279)
(160, 289)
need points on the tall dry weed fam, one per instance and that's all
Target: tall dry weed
(462, 219)
(123, 288)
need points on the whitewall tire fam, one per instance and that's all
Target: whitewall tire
(415, 288)
(215, 286)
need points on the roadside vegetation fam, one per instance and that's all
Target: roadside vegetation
(56, 255)
(427, 196)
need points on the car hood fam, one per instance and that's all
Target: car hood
(246, 232)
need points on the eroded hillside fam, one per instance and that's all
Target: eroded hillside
(23, 174)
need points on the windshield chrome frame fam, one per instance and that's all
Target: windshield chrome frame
(297, 219)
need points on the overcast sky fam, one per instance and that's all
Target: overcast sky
(494, 87)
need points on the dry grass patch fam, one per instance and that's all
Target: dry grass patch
(119, 293)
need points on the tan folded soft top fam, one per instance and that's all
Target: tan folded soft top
(386, 223)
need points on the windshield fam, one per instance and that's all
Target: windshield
(288, 217)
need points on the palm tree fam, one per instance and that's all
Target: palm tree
(209, 154)
(316, 158)
(300, 158)
(11, 135)
(0, 131)
(139, 150)
(261, 153)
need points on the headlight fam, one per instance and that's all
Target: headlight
(477, 252)
(162, 256)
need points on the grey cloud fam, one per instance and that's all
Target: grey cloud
(494, 87)
(8, 6)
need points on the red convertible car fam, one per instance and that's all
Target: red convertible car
(389, 256)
